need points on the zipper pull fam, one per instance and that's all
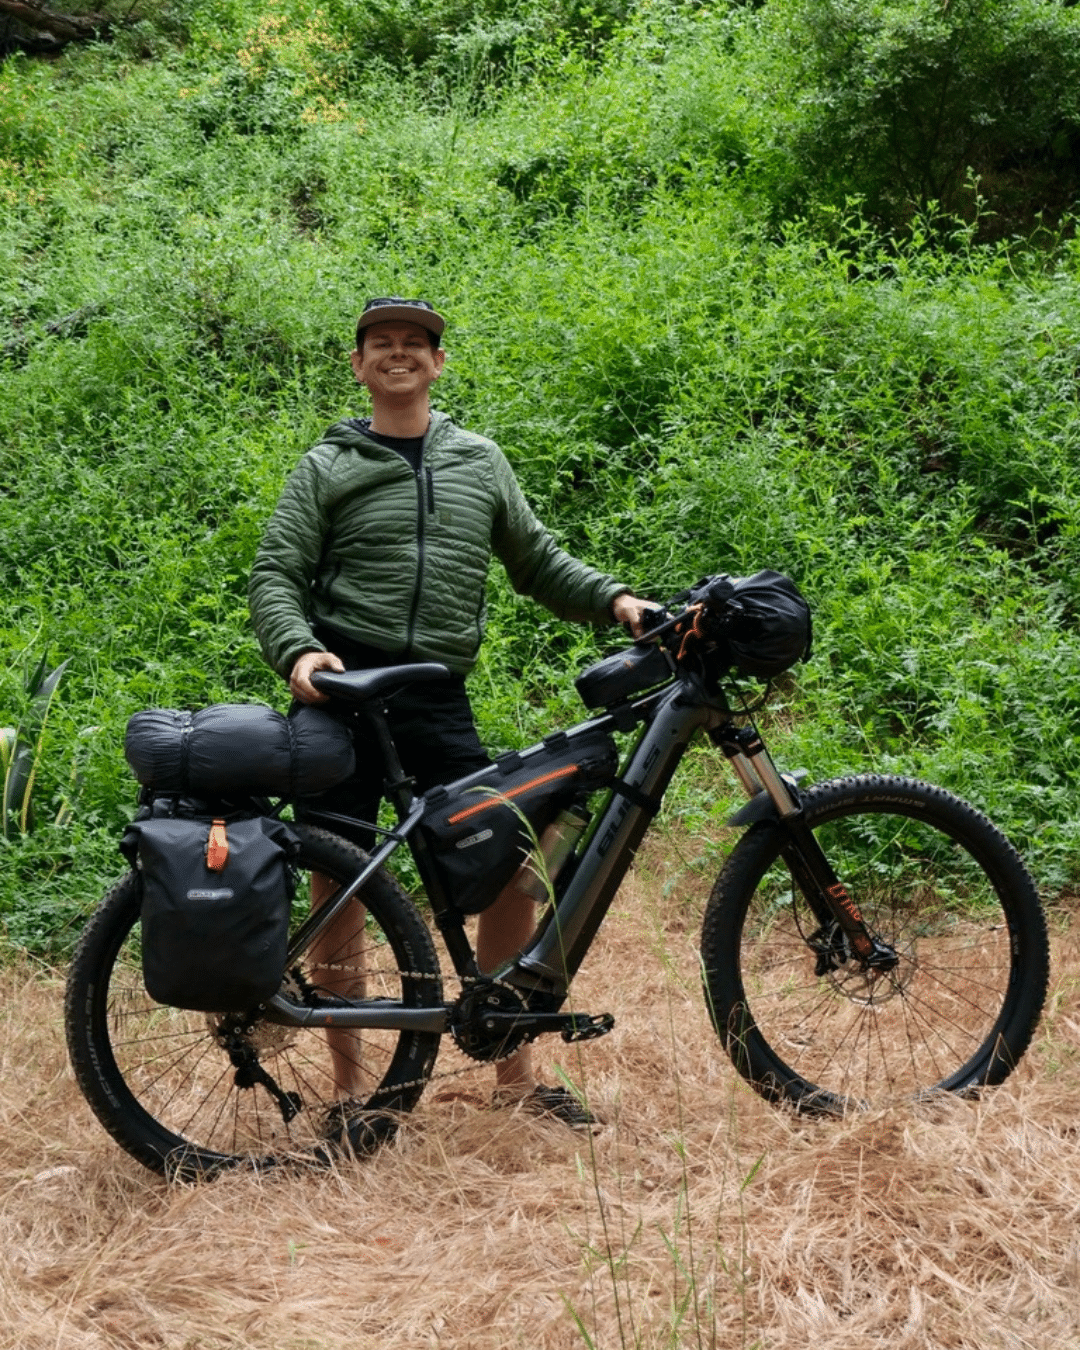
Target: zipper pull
(430, 492)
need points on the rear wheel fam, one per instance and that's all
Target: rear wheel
(194, 1092)
(804, 1021)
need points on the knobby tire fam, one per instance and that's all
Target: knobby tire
(165, 1088)
(934, 879)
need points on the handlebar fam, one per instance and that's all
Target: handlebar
(708, 607)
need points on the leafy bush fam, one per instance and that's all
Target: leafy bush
(468, 46)
(684, 383)
(901, 102)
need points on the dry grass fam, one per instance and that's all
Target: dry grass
(699, 1217)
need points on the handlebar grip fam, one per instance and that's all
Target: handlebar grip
(650, 619)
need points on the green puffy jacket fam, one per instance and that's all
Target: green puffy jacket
(399, 559)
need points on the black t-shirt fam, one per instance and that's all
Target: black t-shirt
(408, 447)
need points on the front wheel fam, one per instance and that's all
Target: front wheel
(190, 1093)
(806, 1022)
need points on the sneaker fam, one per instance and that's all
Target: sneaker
(348, 1125)
(553, 1103)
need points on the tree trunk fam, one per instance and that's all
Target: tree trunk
(62, 27)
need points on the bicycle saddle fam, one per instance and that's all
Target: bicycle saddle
(357, 686)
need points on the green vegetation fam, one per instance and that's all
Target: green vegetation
(713, 323)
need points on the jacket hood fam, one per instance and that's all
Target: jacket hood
(347, 433)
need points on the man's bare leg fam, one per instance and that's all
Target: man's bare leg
(337, 958)
(503, 929)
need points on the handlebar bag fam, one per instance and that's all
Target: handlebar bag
(215, 909)
(244, 748)
(769, 627)
(480, 829)
(759, 625)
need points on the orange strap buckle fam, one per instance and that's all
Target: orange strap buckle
(217, 847)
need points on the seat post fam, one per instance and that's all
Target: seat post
(400, 789)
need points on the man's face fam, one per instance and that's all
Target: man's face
(397, 362)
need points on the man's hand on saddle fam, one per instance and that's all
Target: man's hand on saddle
(304, 667)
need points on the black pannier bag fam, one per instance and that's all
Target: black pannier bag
(215, 909)
(476, 828)
(242, 749)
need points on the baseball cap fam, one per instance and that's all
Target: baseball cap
(389, 308)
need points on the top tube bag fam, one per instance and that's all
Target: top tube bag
(480, 829)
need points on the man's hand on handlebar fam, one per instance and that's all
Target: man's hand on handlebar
(305, 666)
(626, 609)
(629, 610)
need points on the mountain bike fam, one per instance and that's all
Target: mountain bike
(869, 940)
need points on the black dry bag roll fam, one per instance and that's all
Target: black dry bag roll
(480, 829)
(238, 748)
(215, 910)
(769, 628)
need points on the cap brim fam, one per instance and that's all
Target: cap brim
(426, 318)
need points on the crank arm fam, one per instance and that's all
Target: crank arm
(376, 1014)
(571, 1026)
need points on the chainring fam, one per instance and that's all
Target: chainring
(467, 1017)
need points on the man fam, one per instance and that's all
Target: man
(377, 554)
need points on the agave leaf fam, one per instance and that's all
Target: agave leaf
(33, 680)
(22, 749)
(16, 785)
(8, 740)
(45, 686)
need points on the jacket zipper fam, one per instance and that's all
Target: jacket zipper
(331, 603)
(423, 479)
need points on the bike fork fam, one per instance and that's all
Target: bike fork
(840, 920)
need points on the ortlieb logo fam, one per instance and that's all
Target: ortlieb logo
(471, 839)
(224, 894)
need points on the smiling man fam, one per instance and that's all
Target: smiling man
(377, 554)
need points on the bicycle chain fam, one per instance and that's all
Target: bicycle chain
(429, 975)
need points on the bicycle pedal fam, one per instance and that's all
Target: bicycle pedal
(585, 1027)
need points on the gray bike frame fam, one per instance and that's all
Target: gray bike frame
(544, 969)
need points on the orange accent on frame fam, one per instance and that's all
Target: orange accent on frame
(503, 797)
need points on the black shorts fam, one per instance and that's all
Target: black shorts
(432, 726)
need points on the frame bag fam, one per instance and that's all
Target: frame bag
(480, 829)
(215, 909)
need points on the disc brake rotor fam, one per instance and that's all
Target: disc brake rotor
(870, 987)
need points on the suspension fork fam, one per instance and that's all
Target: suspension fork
(828, 898)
